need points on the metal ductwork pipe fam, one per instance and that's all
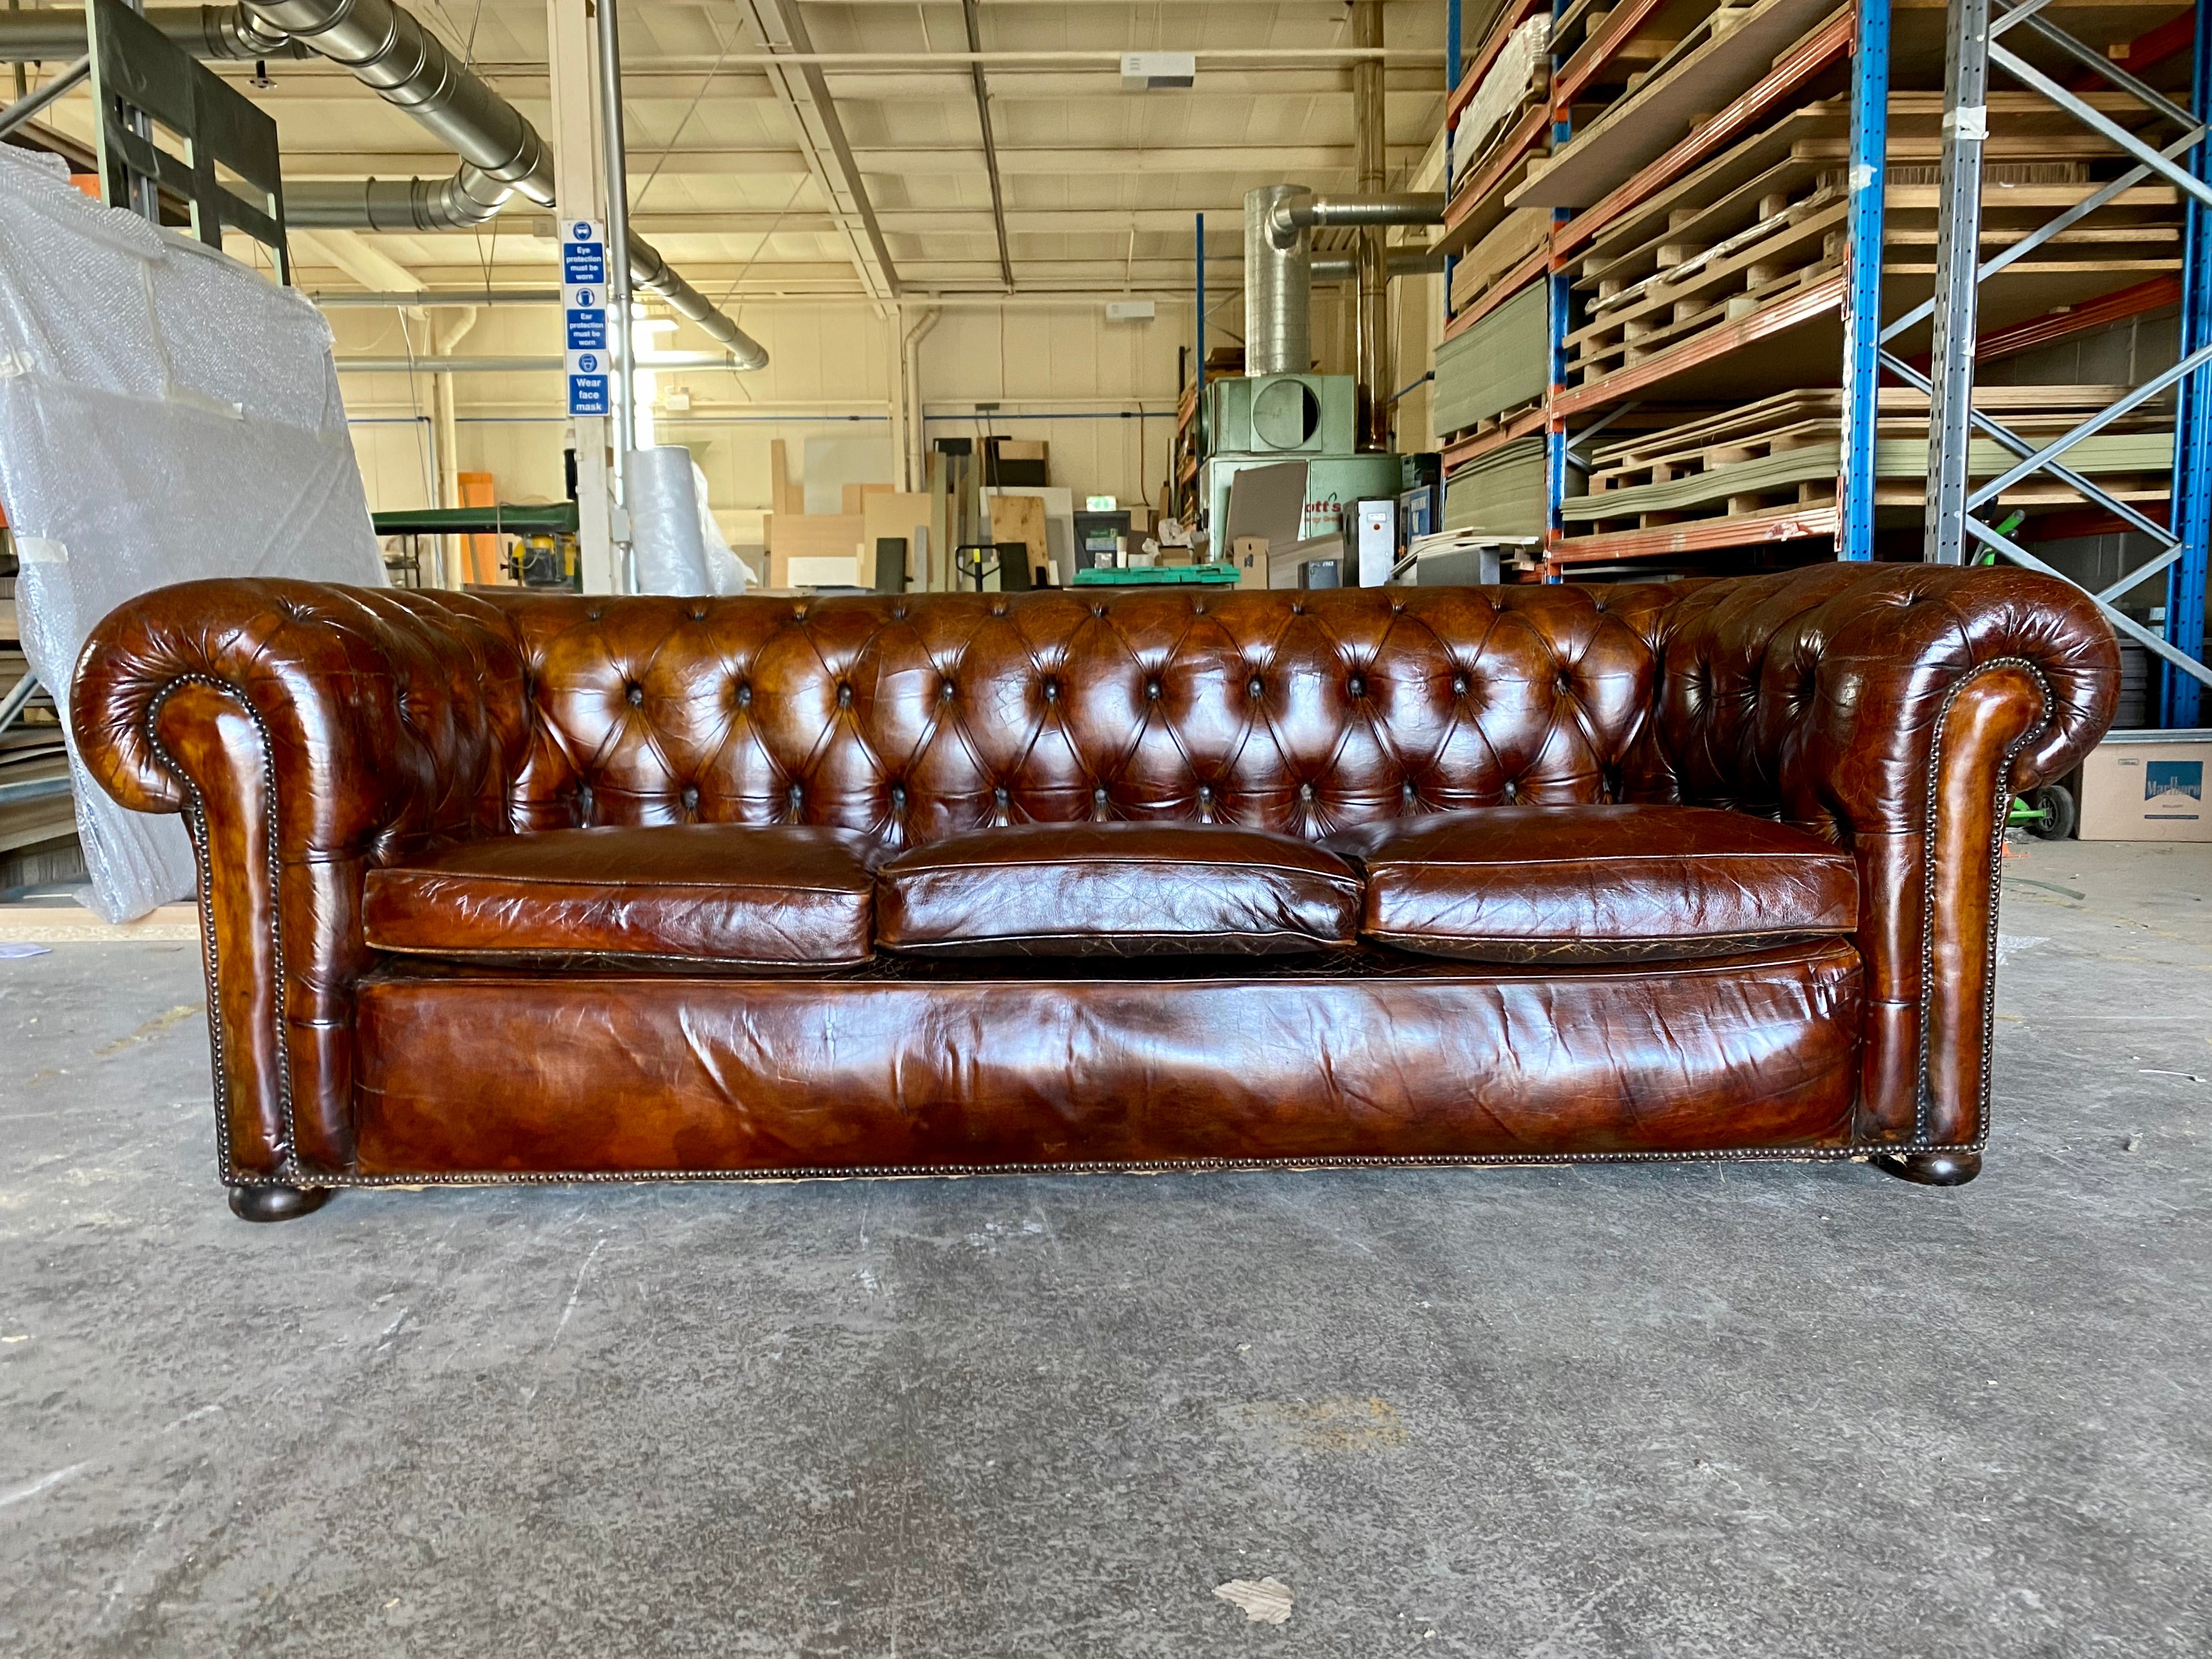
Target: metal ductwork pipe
(1402, 262)
(1400, 207)
(648, 270)
(1277, 283)
(388, 48)
(222, 33)
(471, 198)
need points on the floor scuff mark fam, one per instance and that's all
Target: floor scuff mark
(1266, 1601)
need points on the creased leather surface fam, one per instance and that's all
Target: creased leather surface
(784, 895)
(327, 731)
(1117, 890)
(1835, 697)
(1594, 884)
(615, 1073)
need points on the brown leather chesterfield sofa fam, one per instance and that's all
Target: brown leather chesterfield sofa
(551, 889)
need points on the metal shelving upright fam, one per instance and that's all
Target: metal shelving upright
(1955, 532)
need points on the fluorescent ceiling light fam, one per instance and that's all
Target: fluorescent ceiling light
(1151, 71)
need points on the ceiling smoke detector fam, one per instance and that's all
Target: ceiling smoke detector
(1153, 71)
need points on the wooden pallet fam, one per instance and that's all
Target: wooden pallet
(1484, 428)
(1498, 258)
(1794, 249)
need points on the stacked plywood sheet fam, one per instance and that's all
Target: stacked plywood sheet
(1500, 492)
(1500, 365)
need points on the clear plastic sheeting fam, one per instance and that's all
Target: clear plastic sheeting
(166, 413)
(679, 547)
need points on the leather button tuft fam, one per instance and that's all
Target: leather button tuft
(796, 796)
(945, 692)
(1098, 795)
(636, 694)
(1152, 690)
(898, 794)
(593, 616)
(1051, 690)
(1305, 791)
(1254, 688)
(1357, 686)
(1205, 792)
(998, 795)
(691, 796)
(844, 696)
(699, 613)
(1459, 685)
(744, 698)
(998, 610)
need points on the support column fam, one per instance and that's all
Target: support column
(579, 194)
(1958, 255)
(445, 335)
(1369, 140)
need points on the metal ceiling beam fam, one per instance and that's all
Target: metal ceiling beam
(805, 94)
(1301, 161)
(309, 79)
(990, 147)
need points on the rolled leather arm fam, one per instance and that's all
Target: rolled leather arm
(308, 732)
(1895, 709)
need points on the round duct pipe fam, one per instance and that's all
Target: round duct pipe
(1310, 212)
(1277, 283)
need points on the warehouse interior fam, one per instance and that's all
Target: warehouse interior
(797, 305)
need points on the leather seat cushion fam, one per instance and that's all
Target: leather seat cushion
(1597, 884)
(771, 895)
(1121, 889)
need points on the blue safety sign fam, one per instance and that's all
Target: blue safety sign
(584, 315)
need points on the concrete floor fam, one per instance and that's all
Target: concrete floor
(1779, 1410)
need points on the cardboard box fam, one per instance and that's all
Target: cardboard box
(1249, 554)
(2147, 786)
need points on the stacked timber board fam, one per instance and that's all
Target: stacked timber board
(1500, 492)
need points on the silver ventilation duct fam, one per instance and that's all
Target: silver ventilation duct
(1279, 268)
(1277, 284)
(387, 48)
(1307, 211)
(468, 198)
(222, 33)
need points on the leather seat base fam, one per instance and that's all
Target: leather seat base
(769, 897)
(1593, 884)
(489, 1074)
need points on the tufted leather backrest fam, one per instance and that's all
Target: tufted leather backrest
(916, 717)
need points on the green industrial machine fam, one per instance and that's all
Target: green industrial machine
(1267, 419)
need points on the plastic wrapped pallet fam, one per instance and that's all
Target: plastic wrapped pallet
(166, 413)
